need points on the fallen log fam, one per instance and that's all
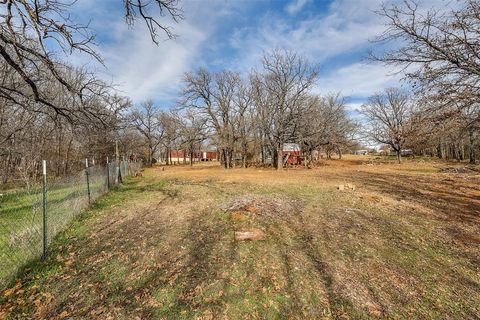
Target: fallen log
(250, 235)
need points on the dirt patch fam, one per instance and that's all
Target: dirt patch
(371, 198)
(239, 216)
(270, 206)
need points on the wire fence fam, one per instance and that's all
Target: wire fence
(31, 216)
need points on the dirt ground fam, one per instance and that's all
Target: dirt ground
(404, 244)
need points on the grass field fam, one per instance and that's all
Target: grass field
(404, 244)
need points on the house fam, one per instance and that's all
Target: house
(209, 156)
(180, 156)
(361, 152)
(292, 154)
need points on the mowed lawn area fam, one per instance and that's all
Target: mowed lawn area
(404, 244)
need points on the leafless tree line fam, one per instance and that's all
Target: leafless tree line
(48, 108)
(250, 118)
(439, 53)
(161, 131)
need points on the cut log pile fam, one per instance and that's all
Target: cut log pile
(348, 186)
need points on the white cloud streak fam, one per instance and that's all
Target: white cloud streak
(339, 36)
(348, 26)
(346, 29)
(358, 79)
(139, 68)
(296, 6)
(144, 70)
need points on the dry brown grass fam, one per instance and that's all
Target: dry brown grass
(404, 244)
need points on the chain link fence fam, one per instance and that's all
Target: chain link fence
(26, 228)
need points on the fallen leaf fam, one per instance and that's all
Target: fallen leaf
(63, 314)
(7, 293)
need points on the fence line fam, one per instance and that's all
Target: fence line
(30, 218)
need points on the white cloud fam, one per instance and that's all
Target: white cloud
(346, 28)
(296, 5)
(353, 106)
(144, 70)
(138, 67)
(344, 33)
(358, 80)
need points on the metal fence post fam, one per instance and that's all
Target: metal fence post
(88, 180)
(108, 176)
(122, 164)
(117, 163)
(44, 209)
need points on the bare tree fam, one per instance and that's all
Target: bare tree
(243, 120)
(326, 124)
(170, 121)
(34, 34)
(470, 117)
(146, 119)
(439, 48)
(213, 96)
(49, 109)
(139, 9)
(286, 81)
(28, 136)
(192, 132)
(388, 119)
(456, 136)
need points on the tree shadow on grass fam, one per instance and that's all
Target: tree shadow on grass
(445, 197)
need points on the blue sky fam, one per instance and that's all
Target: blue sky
(232, 34)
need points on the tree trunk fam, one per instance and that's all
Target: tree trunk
(471, 154)
(439, 151)
(227, 159)
(7, 169)
(150, 153)
(262, 154)
(399, 156)
(244, 154)
(280, 157)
